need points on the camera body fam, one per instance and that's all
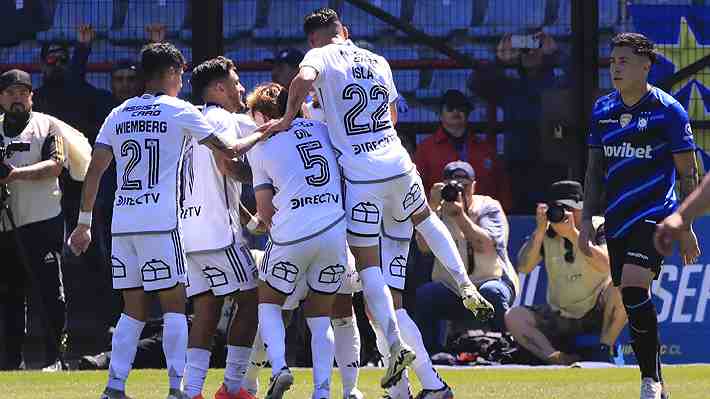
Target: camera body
(555, 213)
(7, 150)
(450, 191)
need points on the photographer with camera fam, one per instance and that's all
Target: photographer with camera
(33, 147)
(480, 229)
(580, 296)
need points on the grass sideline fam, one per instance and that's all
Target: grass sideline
(685, 382)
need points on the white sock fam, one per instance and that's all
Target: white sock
(439, 239)
(257, 359)
(379, 301)
(124, 344)
(401, 389)
(175, 346)
(323, 352)
(237, 362)
(422, 364)
(198, 362)
(347, 351)
(273, 333)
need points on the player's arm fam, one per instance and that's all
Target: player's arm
(593, 193)
(393, 113)
(297, 93)
(529, 255)
(696, 203)
(81, 236)
(235, 168)
(687, 167)
(264, 206)
(50, 165)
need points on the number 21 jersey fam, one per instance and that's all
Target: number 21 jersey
(147, 136)
(355, 88)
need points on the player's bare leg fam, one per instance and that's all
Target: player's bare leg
(379, 300)
(317, 309)
(124, 342)
(521, 324)
(347, 344)
(273, 333)
(439, 239)
(172, 303)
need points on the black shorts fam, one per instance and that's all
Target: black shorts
(635, 248)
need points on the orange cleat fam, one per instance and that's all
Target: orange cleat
(222, 393)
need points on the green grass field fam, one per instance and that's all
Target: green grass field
(685, 382)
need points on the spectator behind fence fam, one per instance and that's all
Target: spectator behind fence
(31, 175)
(455, 140)
(521, 100)
(285, 66)
(580, 297)
(480, 229)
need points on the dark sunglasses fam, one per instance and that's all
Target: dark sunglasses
(53, 59)
(454, 108)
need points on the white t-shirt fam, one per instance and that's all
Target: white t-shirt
(147, 136)
(355, 88)
(210, 210)
(300, 166)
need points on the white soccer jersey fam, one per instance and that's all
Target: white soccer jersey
(355, 87)
(147, 136)
(210, 210)
(299, 164)
(245, 126)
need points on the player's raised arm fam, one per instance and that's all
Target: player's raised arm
(297, 92)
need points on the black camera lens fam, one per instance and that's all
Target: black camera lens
(555, 213)
(450, 191)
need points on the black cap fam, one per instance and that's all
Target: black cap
(567, 192)
(455, 99)
(459, 169)
(15, 77)
(290, 56)
(124, 64)
(49, 48)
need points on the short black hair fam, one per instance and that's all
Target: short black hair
(156, 58)
(319, 18)
(640, 44)
(209, 71)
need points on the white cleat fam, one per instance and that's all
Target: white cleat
(177, 394)
(279, 384)
(401, 356)
(475, 302)
(354, 394)
(651, 389)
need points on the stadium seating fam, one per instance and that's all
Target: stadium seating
(604, 78)
(69, 14)
(363, 25)
(239, 17)
(442, 80)
(511, 16)
(239, 53)
(418, 113)
(141, 13)
(285, 19)
(104, 51)
(24, 53)
(608, 13)
(441, 17)
(251, 79)
(563, 23)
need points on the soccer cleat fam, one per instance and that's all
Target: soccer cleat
(222, 393)
(444, 392)
(388, 396)
(110, 393)
(279, 384)
(177, 394)
(354, 394)
(650, 389)
(477, 304)
(199, 396)
(401, 356)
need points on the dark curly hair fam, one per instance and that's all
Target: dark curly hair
(156, 58)
(319, 18)
(209, 71)
(640, 44)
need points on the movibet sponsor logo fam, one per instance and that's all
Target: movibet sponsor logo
(625, 150)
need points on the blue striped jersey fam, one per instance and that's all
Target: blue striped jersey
(638, 143)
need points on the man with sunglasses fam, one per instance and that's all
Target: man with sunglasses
(455, 140)
(580, 295)
(480, 229)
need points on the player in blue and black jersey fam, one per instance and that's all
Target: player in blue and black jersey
(640, 144)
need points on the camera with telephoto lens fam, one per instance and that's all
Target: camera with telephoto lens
(450, 191)
(7, 150)
(555, 213)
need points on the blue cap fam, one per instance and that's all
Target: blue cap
(459, 169)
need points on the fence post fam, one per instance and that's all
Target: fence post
(207, 37)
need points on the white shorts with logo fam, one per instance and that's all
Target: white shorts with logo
(370, 204)
(351, 284)
(319, 260)
(222, 271)
(153, 261)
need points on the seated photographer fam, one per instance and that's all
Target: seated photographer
(580, 297)
(480, 229)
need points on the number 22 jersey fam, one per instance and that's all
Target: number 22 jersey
(147, 136)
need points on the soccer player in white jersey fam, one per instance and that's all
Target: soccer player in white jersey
(218, 260)
(297, 186)
(357, 93)
(147, 136)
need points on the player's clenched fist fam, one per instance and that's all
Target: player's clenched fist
(80, 239)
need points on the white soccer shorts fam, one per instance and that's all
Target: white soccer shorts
(223, 271)
(319, 260)
(369, 205)
(154, 261)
